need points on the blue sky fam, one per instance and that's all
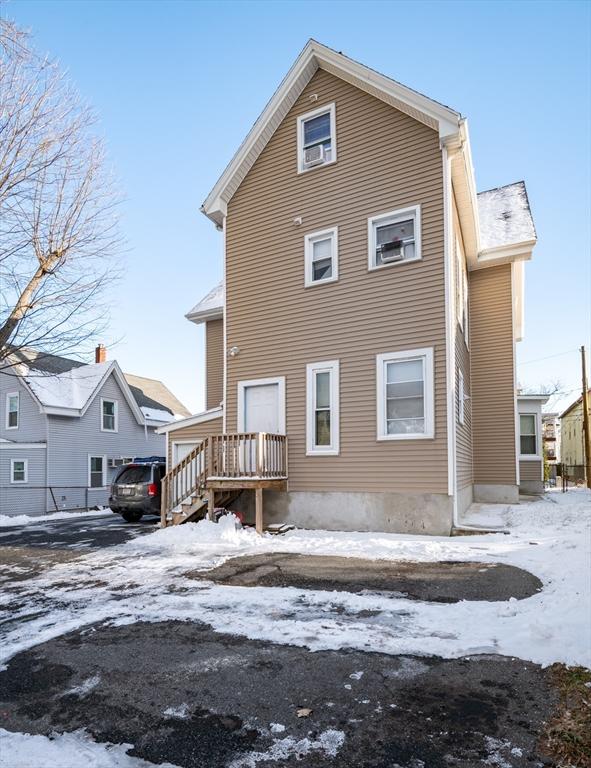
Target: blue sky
(177, 86)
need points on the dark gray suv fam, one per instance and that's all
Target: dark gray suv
(136, 490)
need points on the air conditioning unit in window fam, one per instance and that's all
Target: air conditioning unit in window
(314, 156)
(115, 462)
(392, 251)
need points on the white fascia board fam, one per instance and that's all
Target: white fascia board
(118, 374)
(314, 56)
(190, 421)
(504, 254)
(203, 317)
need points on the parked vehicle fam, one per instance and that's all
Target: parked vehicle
(136, 489)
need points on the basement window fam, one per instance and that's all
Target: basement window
(316, 138)
(394, 238)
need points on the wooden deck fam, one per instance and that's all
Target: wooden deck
(225, 465)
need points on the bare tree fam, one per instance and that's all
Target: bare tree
(59, 231)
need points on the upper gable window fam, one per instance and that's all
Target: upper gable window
(12, 410)
(109, 416)
(317, 138)
(394, 237)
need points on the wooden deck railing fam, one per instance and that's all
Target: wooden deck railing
(236, 456)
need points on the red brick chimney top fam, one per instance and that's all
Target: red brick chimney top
(100, 354)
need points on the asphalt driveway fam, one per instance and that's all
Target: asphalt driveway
(187, 695)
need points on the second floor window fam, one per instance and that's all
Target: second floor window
(109, 415)
(527, 434)
(321, 257)
(12, 410)
(316, 138)
(394, 237)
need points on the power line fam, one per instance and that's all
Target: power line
(548, 357)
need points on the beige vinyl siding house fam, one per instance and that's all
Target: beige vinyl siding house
(370, 304)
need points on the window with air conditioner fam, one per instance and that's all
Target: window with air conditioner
(316, 138)
(405, 406)
(394, 237)
(321, 257)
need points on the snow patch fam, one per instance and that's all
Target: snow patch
(84, 688)
(329, 742)
(14, 520)
(180, 713)
(66, 750)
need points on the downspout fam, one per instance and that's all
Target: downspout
(224, 321)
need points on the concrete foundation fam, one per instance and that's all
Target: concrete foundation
(531, 486)
(465, 498)
(496, 494)
(427, 513)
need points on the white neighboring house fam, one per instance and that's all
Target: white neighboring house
(67, 427)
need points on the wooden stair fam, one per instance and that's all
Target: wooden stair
(195, 508)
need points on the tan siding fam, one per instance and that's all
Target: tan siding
(493, 388)
(530, 470)
(464, 473)
(214, 363)
(195, 432)
(386, 161)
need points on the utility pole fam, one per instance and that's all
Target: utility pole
(586, 433)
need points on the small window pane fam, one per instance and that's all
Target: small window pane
(109, 415)
(322, 249)
(528, 445)
(13, 418)
(407, 370)
(403, 230)
(323, 428)
(323, 390)
(405, 426)
(405, 397)
(317, 129)
(405, 407)
(322, 270)
(96, 471)
(527, 424)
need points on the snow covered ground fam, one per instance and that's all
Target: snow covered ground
(14, 520)
(144, 580)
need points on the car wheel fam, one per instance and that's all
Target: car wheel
(132, 517)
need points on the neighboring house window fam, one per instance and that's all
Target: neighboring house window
(316, 138)
(12, 410)
(527, 434)
(109, 415)
(394, 237)
(461, 398)
(96, 472)
(322, 402)
(19, 470)
(405, 395)
(321, 257)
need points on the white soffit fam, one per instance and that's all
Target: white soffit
(314, 56)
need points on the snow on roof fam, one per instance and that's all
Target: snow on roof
(70, 389)
(505, 216)
(157, 414)
(212, 301)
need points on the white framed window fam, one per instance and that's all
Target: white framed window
(317, 138)
(461, 289)
(394, 237)
(12, 410)
(19, 470)
(461, 399)
(528, 435)
(322, 408)
(97, 471)
(321, 257)
(109, 415)
(405, 406)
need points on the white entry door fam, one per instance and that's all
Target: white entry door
(261, 406)
(180, 450)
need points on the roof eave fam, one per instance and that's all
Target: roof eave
(313, 57)
(208, 314)
(504, 254)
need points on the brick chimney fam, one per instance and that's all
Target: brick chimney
(100, 354)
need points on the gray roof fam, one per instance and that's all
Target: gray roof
(505, 216)
(148, 393)
(210, 305)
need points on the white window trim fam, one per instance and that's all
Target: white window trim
(331, 109)
(104, 479)
(116, 402)
(309, 241)
(332, 367)
(401, 214)
(426, 353)
(242, 386)
(461, 399)
(12, 463)
(537, 456)
(18, 408)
